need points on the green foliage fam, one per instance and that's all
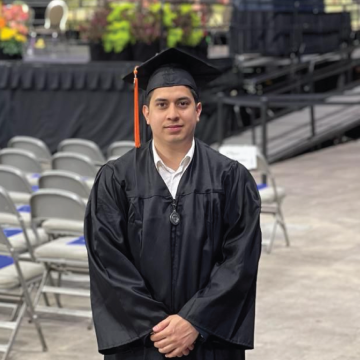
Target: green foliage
(174, 36)
(117, 36)
(118, 31)
(11, 47)
(169, 16)
(189, 22)
(194, 38)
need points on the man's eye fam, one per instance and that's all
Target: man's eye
(160, 104)
(184, 103)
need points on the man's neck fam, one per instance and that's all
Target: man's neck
(172, 154)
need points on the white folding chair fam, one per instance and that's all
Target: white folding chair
(19, 284)
(59, 212)
(84, 147)
(76, 163)
(21, 237)
(271, 195)
(65, 180)
(35, 146)
(23, 160)
(119, 148)
(16, 183)
(64, 254)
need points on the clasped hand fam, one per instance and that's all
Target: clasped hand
(174, 336)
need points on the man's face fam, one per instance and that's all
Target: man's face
(172, 114)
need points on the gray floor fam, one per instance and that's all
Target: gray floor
(308, 304)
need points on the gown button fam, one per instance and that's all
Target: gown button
(174, 218)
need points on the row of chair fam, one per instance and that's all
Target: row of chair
(32, 252)
(84, 157)
(79, 146)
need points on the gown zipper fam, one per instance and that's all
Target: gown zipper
(174, 219)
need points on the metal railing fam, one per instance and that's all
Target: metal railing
(264, 103)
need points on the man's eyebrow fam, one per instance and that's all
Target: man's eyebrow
(160, 99)
(179, 99)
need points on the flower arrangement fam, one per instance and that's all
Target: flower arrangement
(118, 30)
(119, 24)
(186, 27)
(94, 29)
(13, 29)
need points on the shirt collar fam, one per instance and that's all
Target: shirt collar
(184, 162)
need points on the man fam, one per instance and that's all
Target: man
(173, 234)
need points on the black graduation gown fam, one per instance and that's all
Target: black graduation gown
(143, 268)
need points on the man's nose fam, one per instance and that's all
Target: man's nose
(172, 113)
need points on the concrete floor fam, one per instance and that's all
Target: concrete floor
(308, 304)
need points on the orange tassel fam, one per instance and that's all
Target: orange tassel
(136, 110)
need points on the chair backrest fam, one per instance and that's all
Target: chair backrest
(20, 159)
(13, 179)
(5, 247)
(119, 148)
(84, 147)
(6, 204)
(56, 204)
(9, 256)
(56, 15)
(36, 146)
(64, 180)
(260, 169)
(76, 163)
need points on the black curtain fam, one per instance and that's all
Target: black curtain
(91, 101)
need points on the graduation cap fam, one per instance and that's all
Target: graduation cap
(171, 67)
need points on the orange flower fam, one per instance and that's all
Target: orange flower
(2, 22)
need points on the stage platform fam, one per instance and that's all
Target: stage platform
(291, 134)
(307, 301)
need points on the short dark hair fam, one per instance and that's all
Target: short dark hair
(193, 92)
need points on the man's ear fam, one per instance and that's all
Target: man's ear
(198, 110)
(145, 111)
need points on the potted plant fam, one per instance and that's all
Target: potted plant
(146, 31)
(13, 31)
(186, 32)
(93, 31)
(117, 37)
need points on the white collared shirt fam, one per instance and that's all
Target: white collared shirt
(172, 177)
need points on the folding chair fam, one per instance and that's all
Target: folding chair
(76, 163)
(35, 146)
(84, 147)
(19, 283)
(64, 254)
(59, 212)
(65, 180)
(16, 183)
(271, 195)
(23, 160)
(22, 238)
(119, 148)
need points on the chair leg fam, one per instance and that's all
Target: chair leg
(57, 296)
(14, 333)
(273, 234)
(91, 324)
(34, 319)
(15, 313)
(282, 224)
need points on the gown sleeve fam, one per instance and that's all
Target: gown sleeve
(124, 311)
(225, 307)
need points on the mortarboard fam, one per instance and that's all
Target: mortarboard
(171, 67)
